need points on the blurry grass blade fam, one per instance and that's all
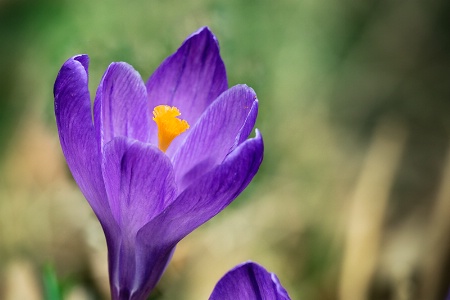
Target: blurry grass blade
(51, 286)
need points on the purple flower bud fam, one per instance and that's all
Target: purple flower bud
(145, 198)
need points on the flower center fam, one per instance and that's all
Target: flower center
(169, 126)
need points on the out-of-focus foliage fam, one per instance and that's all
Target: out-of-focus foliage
(352, 198)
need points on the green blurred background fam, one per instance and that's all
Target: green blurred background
(353, 198)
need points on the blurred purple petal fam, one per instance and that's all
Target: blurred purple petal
(215, 134)
(249, 281)
(121, 107)
(190, 79)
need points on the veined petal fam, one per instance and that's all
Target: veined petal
(196, 205)
(76, 133)
(206, 197)
(249, 281)
(148, 266)
(190, 79)
(120, 107)
(139, 182)
(247, 128)
(218, 131)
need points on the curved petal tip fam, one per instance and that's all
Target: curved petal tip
(69, 69)
(203, 30)
(83, 59)
(249, 280)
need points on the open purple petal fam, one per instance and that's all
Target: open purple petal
(212, 192)
(215, 134)
(205, 198)
(249, 281)
(121, 107)
(139, 182)
(190, 79)
(76, 133)
(247, 128)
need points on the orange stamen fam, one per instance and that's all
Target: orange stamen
(169, 126)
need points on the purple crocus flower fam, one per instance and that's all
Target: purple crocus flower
(150, 177)
(249, 281)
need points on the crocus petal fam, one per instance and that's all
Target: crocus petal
(247, 128)
(190, 79)
(196, 205)
(131, 276)
(150, 264)
(249, 281)
(76, 133)
(215, 134)
(120, 107)
(139, 181)
(205, 198)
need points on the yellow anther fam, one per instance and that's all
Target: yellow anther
(169, 126)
